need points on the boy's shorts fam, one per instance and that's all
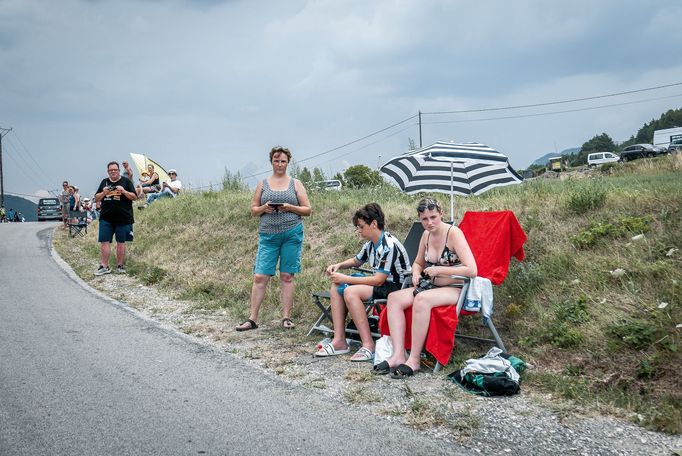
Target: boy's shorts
(124, 233)
(380, 292)
(285, 247)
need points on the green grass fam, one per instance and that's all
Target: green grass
(601, 340)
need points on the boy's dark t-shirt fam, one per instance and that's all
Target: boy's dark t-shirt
(116, 208)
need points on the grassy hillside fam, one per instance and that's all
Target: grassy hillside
(595, 305)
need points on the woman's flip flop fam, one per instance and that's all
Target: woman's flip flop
(382, 368)
(252, 325)
(402, 371)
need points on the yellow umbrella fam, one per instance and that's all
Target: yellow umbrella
(141, 161)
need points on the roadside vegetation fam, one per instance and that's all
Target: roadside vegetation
(595, 307)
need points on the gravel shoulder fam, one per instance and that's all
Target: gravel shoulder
(527, 424)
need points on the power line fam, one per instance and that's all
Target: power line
(47, 176)
(573, 100)
(540, 114)
(339, 156)
(376, 142)
(23, 164)
(341, 146)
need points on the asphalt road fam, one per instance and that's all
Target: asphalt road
(81, 374)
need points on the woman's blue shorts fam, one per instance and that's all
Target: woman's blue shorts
(285, 247)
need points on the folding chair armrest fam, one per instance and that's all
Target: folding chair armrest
(366, 271)
(465, 280)
(462, 278)
(464, 285)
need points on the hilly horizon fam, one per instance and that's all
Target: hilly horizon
(545, 158)
(27, 208)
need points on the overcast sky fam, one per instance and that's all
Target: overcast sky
(205, 85)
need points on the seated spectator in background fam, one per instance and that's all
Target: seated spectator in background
(169, 189)
(150, 183)
(90, 213)
(390, 264)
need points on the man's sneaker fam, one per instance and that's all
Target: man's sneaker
(120, 269)
(102, 270)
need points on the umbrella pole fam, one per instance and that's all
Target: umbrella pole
(452, 192)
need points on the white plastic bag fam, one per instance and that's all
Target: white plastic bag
(383, 349)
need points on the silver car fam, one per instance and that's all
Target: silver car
(49, 209)
(675, 145)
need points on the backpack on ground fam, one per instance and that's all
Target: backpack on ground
(494, 374)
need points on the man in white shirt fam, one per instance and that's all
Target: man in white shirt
(168, 189)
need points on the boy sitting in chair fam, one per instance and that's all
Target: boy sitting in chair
(389, 262)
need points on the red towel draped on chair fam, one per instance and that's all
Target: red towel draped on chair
(494, 237)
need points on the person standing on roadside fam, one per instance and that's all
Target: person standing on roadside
(64, 199)
(128, 173)
(280, 202)
(116, 195)
(127, 170)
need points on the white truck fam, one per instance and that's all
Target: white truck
(664, 137)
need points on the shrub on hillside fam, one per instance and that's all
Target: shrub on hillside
(636, 333)
(598, 230)
(586, 198)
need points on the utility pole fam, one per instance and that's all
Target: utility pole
(420, 129)
(3, 132)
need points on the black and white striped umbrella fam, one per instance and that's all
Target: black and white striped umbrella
(458, 169)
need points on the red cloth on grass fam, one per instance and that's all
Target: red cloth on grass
(494, 237)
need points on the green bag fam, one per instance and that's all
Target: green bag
(490, 384)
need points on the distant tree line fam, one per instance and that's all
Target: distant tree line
(604, 143)
(356, 176)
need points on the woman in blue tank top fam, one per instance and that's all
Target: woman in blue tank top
(280, 201)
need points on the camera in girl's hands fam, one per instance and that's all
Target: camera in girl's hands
(424, 284)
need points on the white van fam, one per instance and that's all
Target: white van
(664, 137)
(599, 158)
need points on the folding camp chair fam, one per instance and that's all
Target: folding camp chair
(373, 306)
(78, 223)
(494, 237)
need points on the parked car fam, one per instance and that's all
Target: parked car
(332, 184)
(675, 146)
(49, 209)
(660, 150)
(637, 151)
(599, 158)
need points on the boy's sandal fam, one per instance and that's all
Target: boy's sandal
(329, 350)
(252, 325)
(363, 354)
(402, 371)
(287, 323)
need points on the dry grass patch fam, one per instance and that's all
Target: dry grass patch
(360, 376)
(360, 394)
